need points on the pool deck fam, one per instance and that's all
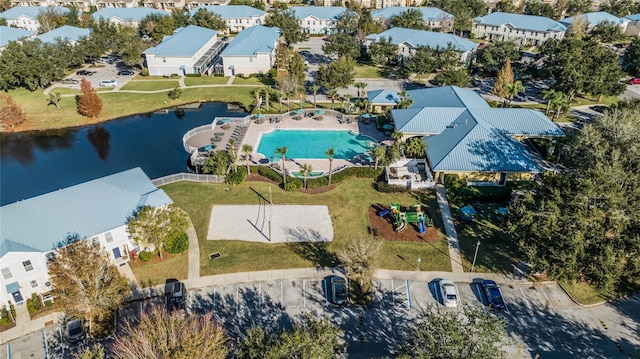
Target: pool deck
(254, 131)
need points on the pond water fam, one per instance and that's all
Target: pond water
(35, 163)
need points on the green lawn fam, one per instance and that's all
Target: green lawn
(151, 85)
(348, 204)
(156, 272)
(41, 116)
(369, 72)
(496, 252)
(205, 80)
(248, 81)
(607, 100)
(582, 293)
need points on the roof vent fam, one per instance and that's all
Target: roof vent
(452, 126)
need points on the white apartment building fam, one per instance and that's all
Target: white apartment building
(318, 19)
(253, 51)
(237, 17)
(522, 29)
(26, 17)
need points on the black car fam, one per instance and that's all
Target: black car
(177, 298)
(69, 81)
(125, 73)
(84, 73)
(339, 290)
(74, 330)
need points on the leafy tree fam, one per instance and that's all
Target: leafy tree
(50, 18)
(506, 6)
(209, 20)
(246, 150)
(72, 16)
(494, 55)
(54, 98)
(296, 68)
(310, 338)
(620, 8)
(314, 88)
(3, 21)
(178, 243)
(415, 147)
(282, 151)
(339, 73)
(462, 10)
(283, 56)
(366, 24)
(93, 352)
(175, 93)
(90, 288)
(288, 86)
(453, 77)
(217, 163)
(359, 258)
(383, 51)
(575, 7)
(632, 55)
(31, 64)
(131, 46)
(409, 19)
(163, 335)
(472, 333)
(11, 114)
(182, 16)
(147, 25)
(156, 225)
(347, 22)
(580, 66)
(253, 3)
(606, 32)
(288, 23)
(422, 62)
(89, 104)
(538, 8)
(341, 44)
(582, 224)
(513, 89)
(360, 86)
(379, 154)
(305, 170)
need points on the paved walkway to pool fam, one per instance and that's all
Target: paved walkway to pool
(289, 223)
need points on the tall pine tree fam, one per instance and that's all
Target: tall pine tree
(504, 79)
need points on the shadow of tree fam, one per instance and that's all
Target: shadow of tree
(312, 246)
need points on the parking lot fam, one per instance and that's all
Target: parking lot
(104, 70)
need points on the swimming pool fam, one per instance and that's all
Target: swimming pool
(312, 144)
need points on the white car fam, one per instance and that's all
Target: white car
(449, 293)
(108, 83)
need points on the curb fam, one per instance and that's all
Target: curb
(578, 303)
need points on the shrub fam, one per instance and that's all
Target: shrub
(383, 186)
(269, 173)
(178, 243)
(144, 256)
(193, 75)
(236, 177)
(458, 191)
(144, 72)
(37, 304)
(291, 186)
(175, 93)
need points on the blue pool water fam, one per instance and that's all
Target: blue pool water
(313, 144)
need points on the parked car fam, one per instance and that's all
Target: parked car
(108, 83)
(177, 297)
(494, 296)
(634, 81)
(74, 330)
(339, 290)
(125, 73)
(449, 293)
(69, 81)
(85, 73)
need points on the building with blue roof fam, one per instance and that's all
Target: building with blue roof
(594, 18)
(521, 29)
(9, 34)
(433, 17)
(252, 51)
(26, 17)
(318, 19)
(465, 136)
(66, 33)
(105, 4)
(408, 40)
(237, 17)
(130, 17)
(189, 50)
(96, 210)
(383, 100)
(633, 27)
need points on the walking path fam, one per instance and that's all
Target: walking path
(194, 253)
(450, 230)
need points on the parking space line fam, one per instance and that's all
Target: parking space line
(304, 294)
(548, 300)
(525, 299)
(408, 294)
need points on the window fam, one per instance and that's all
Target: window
(27, 266)
(6, 273)
(108, 237)
(34, 283)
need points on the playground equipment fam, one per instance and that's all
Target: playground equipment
(401, 219)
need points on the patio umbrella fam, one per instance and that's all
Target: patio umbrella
(468, 211)
(319, 112)
(365, 115)
(387, 127)
(260, 115)
(503, 211)
(298, 111)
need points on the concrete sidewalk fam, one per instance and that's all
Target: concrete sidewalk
(449, 230)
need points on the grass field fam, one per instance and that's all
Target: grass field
(348, 204)
(369, 72)
(205, 80)
(151, 85)
(41, 116)
(156, 272)
(248, 81)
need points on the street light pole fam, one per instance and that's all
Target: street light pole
(473, 265)
(418, 267)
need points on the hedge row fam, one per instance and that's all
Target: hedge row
(294, 183)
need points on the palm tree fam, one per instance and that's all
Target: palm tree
(257, 92)
(315, 89)
(415, 147)
(232, 153)
(282, 151)
(305, 169)
(548, 95)
(247, 149)
(397, 136)
(343, 99)
(267, 93)
(330, 153)
(360, 86)
(280, 95)
(378, 154)
(54, 98)
(332, 95)
(514, 89)
(560, 104)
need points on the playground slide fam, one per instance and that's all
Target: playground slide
(384, 212)
(421, 224)
(402, 227)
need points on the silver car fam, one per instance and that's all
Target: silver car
(449, 293)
